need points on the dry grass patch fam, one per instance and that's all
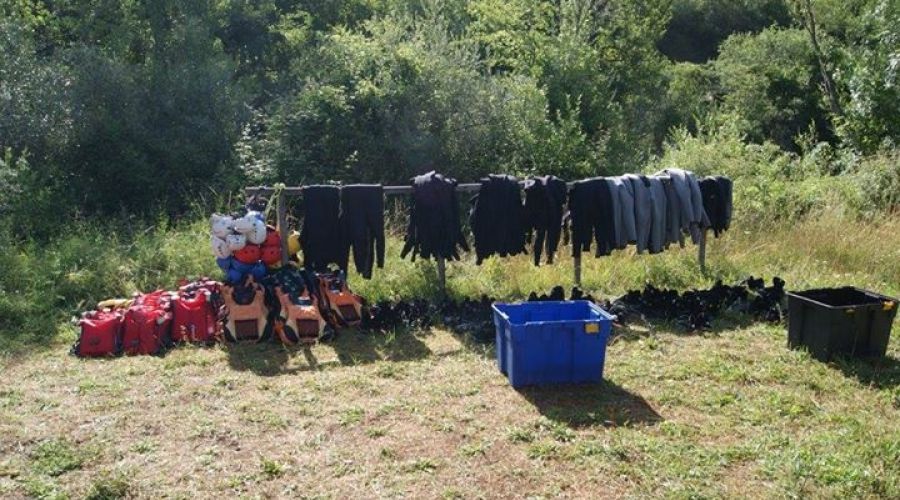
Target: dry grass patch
(427, 414)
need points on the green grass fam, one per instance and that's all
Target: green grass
(726, 413)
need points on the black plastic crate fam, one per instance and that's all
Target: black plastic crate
(844, 321)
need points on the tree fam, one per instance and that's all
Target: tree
(770, 81)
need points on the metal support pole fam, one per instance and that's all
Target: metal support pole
(281, 210)
(577, 266)
(701, 252)
(442, 275)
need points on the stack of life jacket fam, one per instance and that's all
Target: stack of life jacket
(246, 315)
(434, 221)
(498, 218)
(339, 305)
(147, 324)
(297, 318)
(195, 312)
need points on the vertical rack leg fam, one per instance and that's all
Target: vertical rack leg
(701, 252)
(281, 210)
(442, 276)
(577, 266)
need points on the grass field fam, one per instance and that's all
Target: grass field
(725, 413)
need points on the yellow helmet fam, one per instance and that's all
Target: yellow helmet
(293, 243)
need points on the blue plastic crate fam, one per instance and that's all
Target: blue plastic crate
(551, 342)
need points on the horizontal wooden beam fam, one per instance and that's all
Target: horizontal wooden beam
(388, 190)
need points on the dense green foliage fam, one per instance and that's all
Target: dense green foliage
(144, 107)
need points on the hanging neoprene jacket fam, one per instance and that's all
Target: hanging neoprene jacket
(642, 210)
(362, 226)
(321, 235)
(693, 217)
(498, 218)
(434, 223)
(673, 233)
(623, 192)
(658, 207)
(716, 194)
(545, 198)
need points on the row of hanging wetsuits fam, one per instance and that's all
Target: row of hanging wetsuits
(651, 212)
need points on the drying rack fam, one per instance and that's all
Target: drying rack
(296, 191)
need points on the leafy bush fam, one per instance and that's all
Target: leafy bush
(770, 83)
(770, 184)
(878, 181)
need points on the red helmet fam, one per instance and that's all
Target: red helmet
(271, 254)
(273, 237)
(249, 254)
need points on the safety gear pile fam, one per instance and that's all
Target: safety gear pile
(244, 246)
(294, 306)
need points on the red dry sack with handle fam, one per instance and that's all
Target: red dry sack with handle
(146, 328)
(194, 318)
(101, 334)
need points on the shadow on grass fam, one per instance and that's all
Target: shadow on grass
(883, 373)
(640, 328)
(352, 347)
(266, 359)
(586, 405)
(357, 347)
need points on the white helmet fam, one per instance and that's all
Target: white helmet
(244, 225)
(220, 248)
(236, 242)
(258, 235)
(221, 225)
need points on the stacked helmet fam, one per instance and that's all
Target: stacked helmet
(273, 237)
(220, 248)
(236, 242)
(293, 243)
(249, 254)
(221, 225)
(225, 264)
(258, 234)
(244, 225)
(271, 255)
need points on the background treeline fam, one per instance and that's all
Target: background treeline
(149, 106)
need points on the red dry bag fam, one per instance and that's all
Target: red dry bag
(194, 318)
(101, 334)
(146, 330)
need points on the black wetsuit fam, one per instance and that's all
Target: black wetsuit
(716, 193)
(434, 225)
(590, 208)
(545, 198)
(321, 235)
(498, 218)
(362, 226)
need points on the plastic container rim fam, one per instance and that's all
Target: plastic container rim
(797, 294)
(605, 315)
